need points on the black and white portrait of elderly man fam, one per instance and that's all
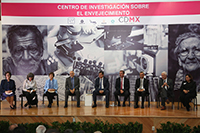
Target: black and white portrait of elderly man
(26, 45)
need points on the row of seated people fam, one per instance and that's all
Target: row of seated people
(122, 85)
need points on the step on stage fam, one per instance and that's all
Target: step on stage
(149, 117)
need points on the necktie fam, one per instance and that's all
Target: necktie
(100, 84)
(165, 86)
(121, 83)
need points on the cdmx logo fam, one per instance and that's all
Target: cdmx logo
(128, 19)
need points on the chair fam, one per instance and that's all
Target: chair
(158, 100)
(22, 96)
(56, 98)
(146, 97)
(193, 99)
(0, 103)
(129, 100)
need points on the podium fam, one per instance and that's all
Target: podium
(88, 100)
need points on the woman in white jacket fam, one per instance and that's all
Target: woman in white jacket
(29, 89)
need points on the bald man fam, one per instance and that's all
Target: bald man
(72, 85)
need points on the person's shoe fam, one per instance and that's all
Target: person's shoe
(188, 108)
(142, 107)
(65, 106)
(119, 104)
(78, 106)
(29, 106)
(107, 106)
(12, 107)
(136, 106)
(94, 106)
(163, 108)
(123, 105)
(25, 105)
(49, 106)
(167, 101)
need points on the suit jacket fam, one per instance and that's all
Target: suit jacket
(170, 89)
(4, 86)
(68, 84)
(105, 83)
(145, 85)
(126, 84)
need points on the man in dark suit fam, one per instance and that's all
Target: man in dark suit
(101, 88)
(72, 85)
(141, 89)
(165, 89)
(122, 86)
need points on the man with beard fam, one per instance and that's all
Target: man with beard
(25, 43)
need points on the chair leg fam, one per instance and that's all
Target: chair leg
(172, 103)
(43, 100)
(15, 99)
(57, 101)
(129, 100)
(21, 102)
(178, 104)
(196, 103)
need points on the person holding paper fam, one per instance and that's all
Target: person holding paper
(166, 88)
(141, 89)
(50, 88)
(7, 89)
(29, 89)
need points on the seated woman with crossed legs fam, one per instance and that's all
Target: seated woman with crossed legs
(29, 89)
(7, 89)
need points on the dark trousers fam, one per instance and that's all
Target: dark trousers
(137, 94)
(164, 96)
(29, 96)
(96, 92)
(125, 94)
(50, 96)
(185, 99)
(76, 93)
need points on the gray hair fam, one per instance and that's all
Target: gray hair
(41, 129)
(164, 73)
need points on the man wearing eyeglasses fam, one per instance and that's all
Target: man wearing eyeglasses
(25, 43)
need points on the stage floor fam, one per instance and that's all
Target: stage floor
(100, 110)
(149, 117)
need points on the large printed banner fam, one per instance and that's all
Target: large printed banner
(86, 38)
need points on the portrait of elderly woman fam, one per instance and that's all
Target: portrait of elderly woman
(26, 45)
(184, 53)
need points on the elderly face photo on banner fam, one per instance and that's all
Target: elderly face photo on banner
(24, 50)
(184, 51)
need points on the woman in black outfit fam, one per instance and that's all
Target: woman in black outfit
(188, 91)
